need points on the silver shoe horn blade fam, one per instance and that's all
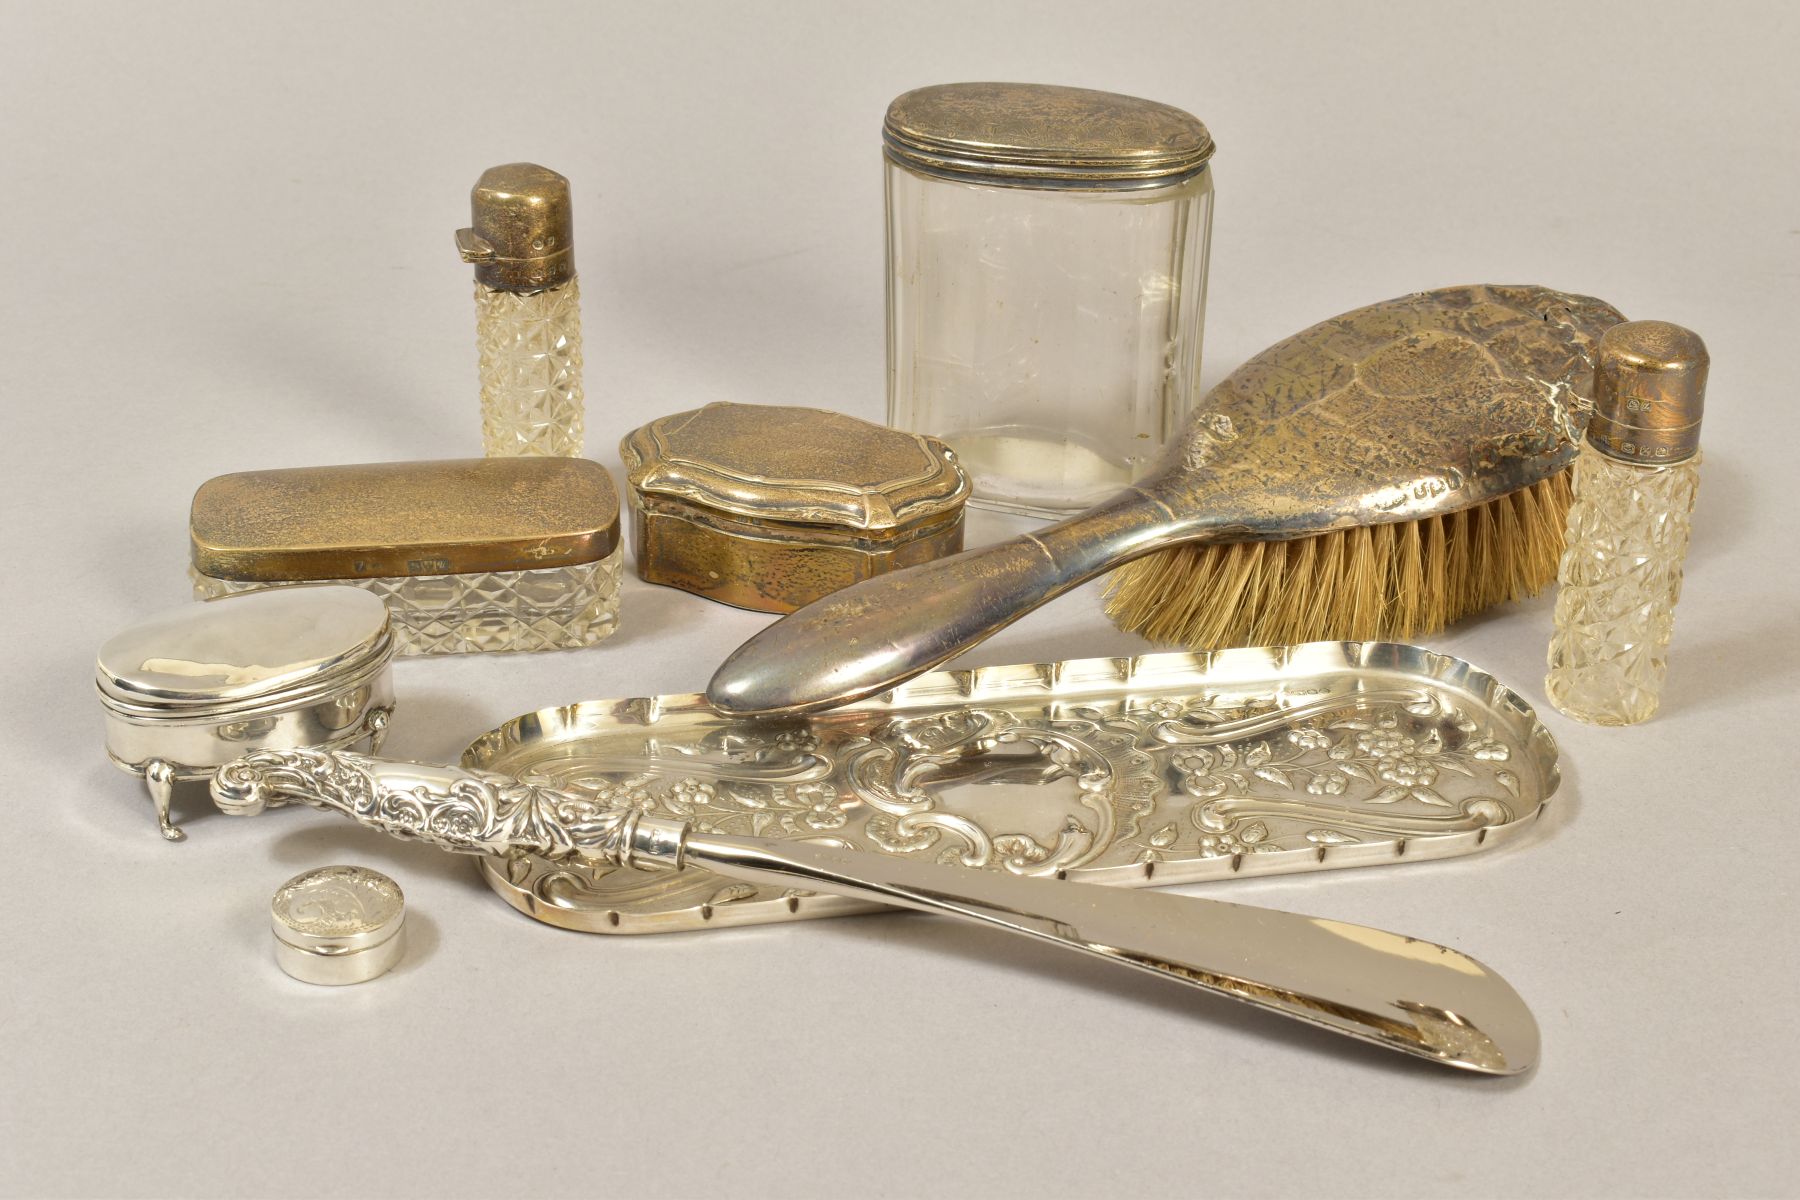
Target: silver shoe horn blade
(1422, 999)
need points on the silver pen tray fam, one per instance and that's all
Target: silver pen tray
(1161, 769)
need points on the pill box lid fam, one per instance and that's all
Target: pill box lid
(382, 520)
(227, 655)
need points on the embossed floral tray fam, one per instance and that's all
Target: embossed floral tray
(1167, 768)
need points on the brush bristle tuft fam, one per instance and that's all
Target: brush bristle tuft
(1395, 581)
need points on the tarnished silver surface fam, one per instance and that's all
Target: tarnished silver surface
(1412, 408)
(769, 507)
(521, 235)
(199, 685)
(1162, 769)
(1649, 393)
(1416, 997)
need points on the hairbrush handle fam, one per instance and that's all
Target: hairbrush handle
(1416, 997)
(883, 631)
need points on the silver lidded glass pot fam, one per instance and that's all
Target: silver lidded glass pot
(1047, 252)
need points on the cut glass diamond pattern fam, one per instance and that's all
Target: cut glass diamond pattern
(557, 608)
(1619, 581)
(530, 360)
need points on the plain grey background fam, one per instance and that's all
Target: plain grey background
(225, 243)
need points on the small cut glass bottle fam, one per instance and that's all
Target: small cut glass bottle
(1635, 481)
(527, 311)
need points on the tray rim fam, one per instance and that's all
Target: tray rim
(965, 685)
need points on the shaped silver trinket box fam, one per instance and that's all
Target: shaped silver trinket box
(198, 686)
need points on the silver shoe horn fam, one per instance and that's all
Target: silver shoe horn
(1416, 997)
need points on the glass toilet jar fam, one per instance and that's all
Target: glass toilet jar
(1046, 274)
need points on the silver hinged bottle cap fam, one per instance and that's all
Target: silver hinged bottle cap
(1649, 392)
(521, 235)
(338, 925)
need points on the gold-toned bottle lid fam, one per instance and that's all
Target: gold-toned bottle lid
(378, 520)
(1649, 389)
(522, 233)
(1039, 136)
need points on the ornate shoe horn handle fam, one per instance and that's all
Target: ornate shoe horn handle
(1419, 998)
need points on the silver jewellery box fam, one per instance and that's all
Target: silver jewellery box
(201, 685)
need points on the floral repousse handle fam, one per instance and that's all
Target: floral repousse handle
(463, 811)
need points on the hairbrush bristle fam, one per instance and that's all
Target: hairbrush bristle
(1395, 581)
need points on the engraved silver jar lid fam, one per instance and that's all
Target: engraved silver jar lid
(338, 925)
(1038, 136)
(244, 654)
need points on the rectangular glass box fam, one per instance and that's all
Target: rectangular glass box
(497, 554)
